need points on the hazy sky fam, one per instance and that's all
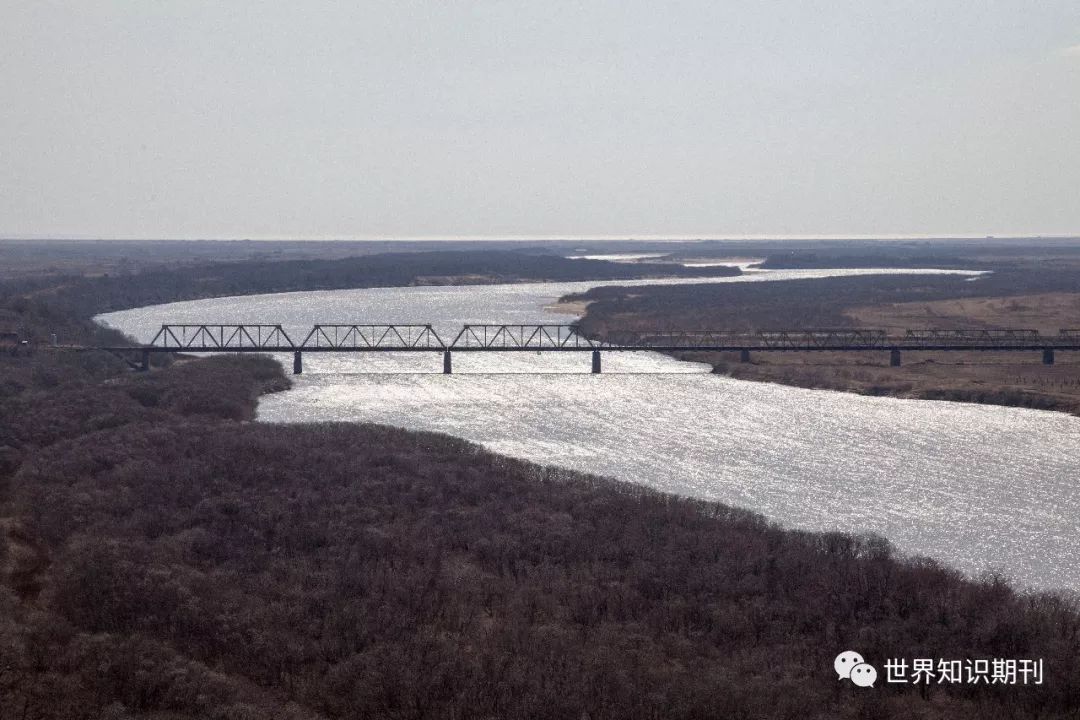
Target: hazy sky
(454, 118)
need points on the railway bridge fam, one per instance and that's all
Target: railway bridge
(393, 337)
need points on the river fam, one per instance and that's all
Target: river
(977, 487)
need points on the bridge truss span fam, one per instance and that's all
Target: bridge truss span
(355, 337)
(1069, 336)
(689, 339)
(813, 339)
(822, 338)
(222, 337)
(976, 337)
(522, 337)
(373, 337)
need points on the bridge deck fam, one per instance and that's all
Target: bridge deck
(391, 337)
(598, 347)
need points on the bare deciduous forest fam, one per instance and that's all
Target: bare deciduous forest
(73, 295)
(162, 556)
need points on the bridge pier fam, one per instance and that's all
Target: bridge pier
(744, 356)
(894, 357)
(1048, 356)
(145, 364)
(297, 363)
(447, 363)
(595, 362)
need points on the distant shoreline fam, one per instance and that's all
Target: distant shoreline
(1017, 299)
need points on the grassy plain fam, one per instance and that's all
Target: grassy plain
(1017, 295)
(1006, 378)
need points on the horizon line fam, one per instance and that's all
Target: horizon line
(719, 237)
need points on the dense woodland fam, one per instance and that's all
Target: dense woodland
(56, 299)
(52, 258)
(913, 259)
(941, 253)
(162, 556)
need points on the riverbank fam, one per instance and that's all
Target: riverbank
(39, 306)
(1010, 378)
(977, 377)
(161, 554)
(796, 456)
(1009, 299)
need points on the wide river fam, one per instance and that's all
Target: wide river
(976, 486)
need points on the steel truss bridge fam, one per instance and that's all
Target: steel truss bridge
(209, 338)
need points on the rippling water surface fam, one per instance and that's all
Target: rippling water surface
(979, 487)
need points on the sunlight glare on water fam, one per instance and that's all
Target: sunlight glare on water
(978, 487)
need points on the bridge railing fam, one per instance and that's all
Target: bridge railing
(375, 337)
(221, 337)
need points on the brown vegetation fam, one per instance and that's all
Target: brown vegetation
(166, 558)
(1045, 312)
(824, 302)
(161, 556)
(1004, 299)
(47, 305)
(1013, 379)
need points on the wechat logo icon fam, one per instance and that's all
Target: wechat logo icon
(850, 665)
